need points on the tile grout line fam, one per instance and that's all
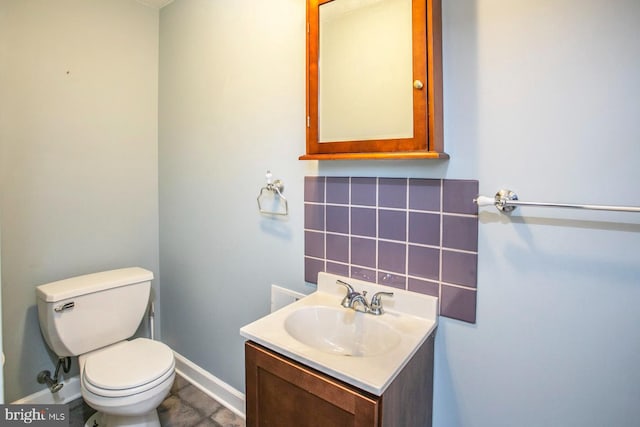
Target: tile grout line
(349, 196)
(406, 235)
(440, 249)
(325, 263)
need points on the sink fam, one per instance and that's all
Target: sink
(361, 349)
(341, 331)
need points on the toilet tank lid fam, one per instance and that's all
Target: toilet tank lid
(95, 282)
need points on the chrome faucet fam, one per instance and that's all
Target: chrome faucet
(358, 301)
(375, 307)
(351, 293)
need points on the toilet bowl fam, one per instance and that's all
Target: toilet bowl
(92, 317)
(126, 381)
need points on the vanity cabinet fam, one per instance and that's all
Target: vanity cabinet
(374, 80)
(284, 392)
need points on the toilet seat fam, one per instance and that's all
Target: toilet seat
(128, 368)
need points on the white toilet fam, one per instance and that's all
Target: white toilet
(92, 317)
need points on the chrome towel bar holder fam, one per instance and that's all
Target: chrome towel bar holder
(506, 201)
(276, 188)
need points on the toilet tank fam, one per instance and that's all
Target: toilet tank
(87, 312)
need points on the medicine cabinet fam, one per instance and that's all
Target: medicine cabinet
(374, 79)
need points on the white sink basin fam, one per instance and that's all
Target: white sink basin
(341, 331)
(360, 349)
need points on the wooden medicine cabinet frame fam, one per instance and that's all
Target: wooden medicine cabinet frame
(427, 140)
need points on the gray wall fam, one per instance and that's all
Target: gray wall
(78, 156)
(231, 108)
(540, 96)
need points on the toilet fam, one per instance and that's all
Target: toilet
(93, 317)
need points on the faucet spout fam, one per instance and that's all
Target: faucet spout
(359, 300)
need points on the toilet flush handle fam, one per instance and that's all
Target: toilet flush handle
(65, 306)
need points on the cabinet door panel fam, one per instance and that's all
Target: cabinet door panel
(282, 392)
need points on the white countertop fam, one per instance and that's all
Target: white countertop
(414, 316)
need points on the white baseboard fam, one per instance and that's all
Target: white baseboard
(69, 392)
(203, 380)
(211, 385)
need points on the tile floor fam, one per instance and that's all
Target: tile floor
(186, 406)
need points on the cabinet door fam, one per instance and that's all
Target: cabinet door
(374, 80)
(281, 392)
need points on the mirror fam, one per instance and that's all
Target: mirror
(374, 80)
(365, 70)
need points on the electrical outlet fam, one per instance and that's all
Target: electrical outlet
(281, 297)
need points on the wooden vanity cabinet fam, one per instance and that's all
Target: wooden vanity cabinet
(282, 392)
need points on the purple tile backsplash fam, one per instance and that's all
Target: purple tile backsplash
(409, 233)
(363, 252)
(339, 269)
(314, 189)
(458, 195)
(392, 225)
(337, 219)
(363, 274)
(312, 266)
(424, 194)
(363, 222)
(424, 287)
(459, 268)
(458, 303)
(392, 193)
(392, 280)
(338, 248)
(314, 217)
(338, 190)
(364, 191)
(460, 232)
(314, 244)
(392, 256)
(424, 228)
(424, 262)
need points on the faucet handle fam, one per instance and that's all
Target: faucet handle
(376, 302)
(345, 284)
(346, 301)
